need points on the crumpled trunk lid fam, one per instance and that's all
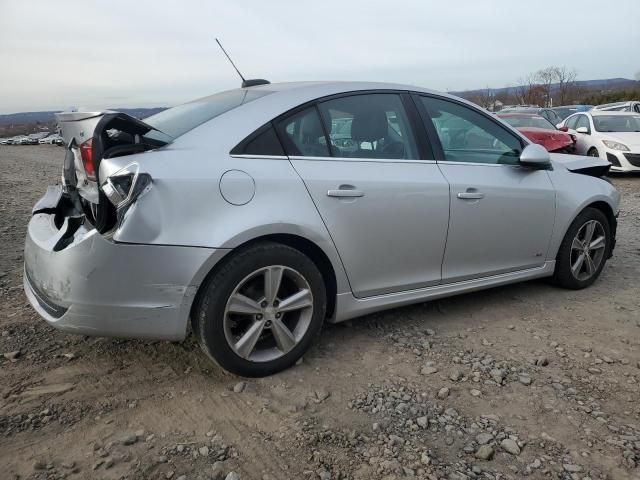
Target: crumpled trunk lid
(90, 137)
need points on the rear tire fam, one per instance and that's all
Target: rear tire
(583, 251)
(259, 312)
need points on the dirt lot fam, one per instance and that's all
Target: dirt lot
(521, 381)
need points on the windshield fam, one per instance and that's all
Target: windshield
(528, 121)
(179, 120)
(617, 123)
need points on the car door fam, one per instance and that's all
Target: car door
(378, 190)
(501, 214)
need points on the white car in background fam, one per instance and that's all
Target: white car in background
(631, 106)
(54, 139)
(614, 136)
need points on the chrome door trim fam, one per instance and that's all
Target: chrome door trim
(450, 162)
(270, 157)
(365, 160)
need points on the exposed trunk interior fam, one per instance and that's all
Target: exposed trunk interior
(111, 134)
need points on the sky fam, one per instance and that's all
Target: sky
(138, 53)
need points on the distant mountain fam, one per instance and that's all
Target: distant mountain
(25, 118)
(604, 84)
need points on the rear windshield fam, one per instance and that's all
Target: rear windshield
(179, 120)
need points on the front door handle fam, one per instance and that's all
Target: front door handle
(345, 193)
(470, 195)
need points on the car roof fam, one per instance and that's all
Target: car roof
(614, 104)
(599, 113)
(279, 98)
(338, 86)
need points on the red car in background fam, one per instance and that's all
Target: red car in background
(541, 131)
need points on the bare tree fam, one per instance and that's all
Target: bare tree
(486, 98)
(527, 90)
(567, 87)
(545, 79)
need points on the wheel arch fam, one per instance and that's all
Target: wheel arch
(608, 212)
(303, 245)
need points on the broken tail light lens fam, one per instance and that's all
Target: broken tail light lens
(126, 185)
(86, 153)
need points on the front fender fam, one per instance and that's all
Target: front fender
(575, 192)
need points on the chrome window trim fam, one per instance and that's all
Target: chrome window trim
(365, 160)
(271, 157)
(451, 162)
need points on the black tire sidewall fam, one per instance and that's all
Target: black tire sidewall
(210, 316)
(563, 275)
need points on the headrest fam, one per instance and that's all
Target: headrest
(369, 125)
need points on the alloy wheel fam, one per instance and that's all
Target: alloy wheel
(268, 313)
(587, 250)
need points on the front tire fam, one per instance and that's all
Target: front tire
(584, 250)
(593, 152)
(259, 312)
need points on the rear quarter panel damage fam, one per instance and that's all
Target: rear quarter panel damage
(185, 206)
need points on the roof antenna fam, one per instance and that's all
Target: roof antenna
(245, 83)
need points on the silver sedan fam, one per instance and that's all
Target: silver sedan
(256, 214)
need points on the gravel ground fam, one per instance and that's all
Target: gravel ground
(521, 381)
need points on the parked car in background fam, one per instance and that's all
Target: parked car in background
(566, 110)
(541, 131)
(614, 136)
(238, 212)
(547, 113)
(53, 139)
(631, 106)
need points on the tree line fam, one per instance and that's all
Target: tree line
(550, 86)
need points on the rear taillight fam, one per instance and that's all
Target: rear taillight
(126, 185)
(86, 153)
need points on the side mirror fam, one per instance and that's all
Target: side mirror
(535, 156)
(564, 128)
(584, 130)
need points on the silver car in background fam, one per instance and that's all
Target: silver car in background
(256, 214)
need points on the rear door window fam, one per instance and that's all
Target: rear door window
(303, 134)
(372, 125)
(263, 141)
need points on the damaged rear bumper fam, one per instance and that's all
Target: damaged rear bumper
(82, 282)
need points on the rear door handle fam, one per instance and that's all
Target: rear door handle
(470, 195)
(345, 193)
